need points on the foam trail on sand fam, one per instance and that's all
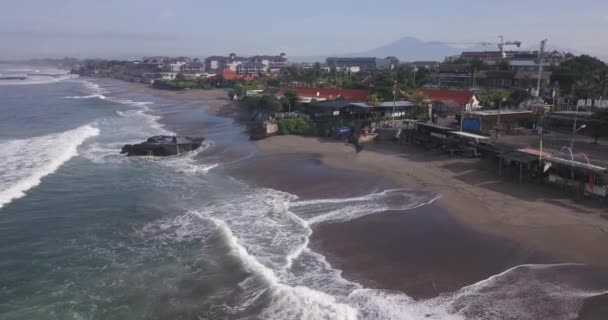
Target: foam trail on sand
(25, 162)
(324, 210)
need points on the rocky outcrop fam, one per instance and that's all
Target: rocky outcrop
(163, 146)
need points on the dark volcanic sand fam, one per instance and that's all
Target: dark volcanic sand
(422, 252)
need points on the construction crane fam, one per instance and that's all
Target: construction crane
(501, 45)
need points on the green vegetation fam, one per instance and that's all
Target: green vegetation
(292, 98)
(421, 107)
(175, 84)
(598, 124)
(270, 104)
(585, 77)
(517, 97)
(373, 99)
(239, 90)
(493, 98)
(267, 103)
(294, 126)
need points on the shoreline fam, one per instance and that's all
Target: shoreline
(215, 101)
(526, 214)
(421, 268)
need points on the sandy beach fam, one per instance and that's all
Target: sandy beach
(479, 227)
(215, 101)
(536, 217)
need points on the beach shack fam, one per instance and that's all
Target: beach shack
(464, 143)
(584, 177)
(565, 120)
(430, 135)
(486, 121)
(525, 162)
(327, 109)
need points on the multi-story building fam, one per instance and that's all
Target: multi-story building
(360, 63)
(522, 60)
(251, 68)
(232, 62)
(452, 75)
(193, 67)
(271, 63)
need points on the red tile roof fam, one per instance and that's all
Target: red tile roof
(449, 97)
(356, 95)
(229, 74)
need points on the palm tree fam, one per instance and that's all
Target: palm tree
(600, 82)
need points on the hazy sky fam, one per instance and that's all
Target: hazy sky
(122, 28)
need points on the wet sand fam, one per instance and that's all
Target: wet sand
(534, 216)
(472, 233)
(422, 252)
(214, 101)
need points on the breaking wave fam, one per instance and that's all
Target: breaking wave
(268, 232)
(25, 162)
(92, 96)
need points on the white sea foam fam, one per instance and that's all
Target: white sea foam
(266, 232)
(94, 87)
(25, 162)
(341, 210)
(92, 96)
(34, 80)
(287, 302)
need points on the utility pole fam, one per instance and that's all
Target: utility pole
(394, 98)
(464, 110)
(543, 43)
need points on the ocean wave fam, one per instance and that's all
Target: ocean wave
(268, 232)
(25, 162)
(35, 80)
(93, 87)
(288, 302)
(92, 96)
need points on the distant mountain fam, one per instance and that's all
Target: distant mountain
(409, 49)
(406, 49)
(412, 49)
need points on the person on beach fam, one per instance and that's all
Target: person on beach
(354, 140)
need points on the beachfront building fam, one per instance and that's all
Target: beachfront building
(308, 94)
(486, 121)
(450, 101)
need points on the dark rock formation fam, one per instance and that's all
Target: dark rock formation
(163, 146)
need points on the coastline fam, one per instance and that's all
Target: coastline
(215, 101)
(526, 214)
(460, 239)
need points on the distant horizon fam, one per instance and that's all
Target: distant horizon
(297, 58)
(136, 28)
